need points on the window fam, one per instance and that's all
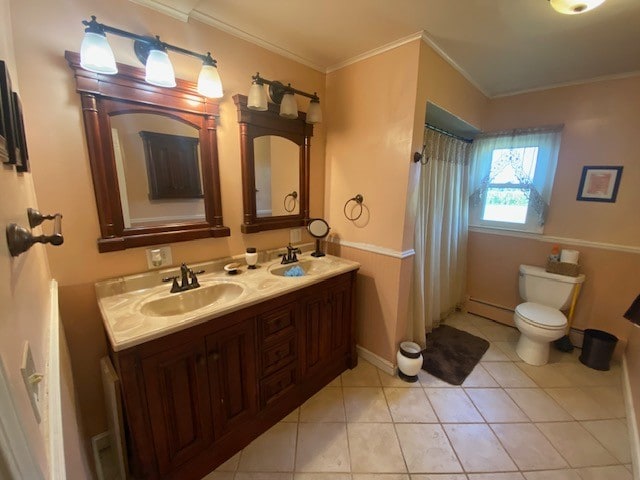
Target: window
(511, 179)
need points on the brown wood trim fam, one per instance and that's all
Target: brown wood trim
(127, 92)
(254, 124)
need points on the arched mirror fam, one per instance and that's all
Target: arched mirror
(275, 168)
(153, 156)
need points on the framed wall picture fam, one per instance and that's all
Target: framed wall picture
(5, 115)
(599, 184)
(22, 155)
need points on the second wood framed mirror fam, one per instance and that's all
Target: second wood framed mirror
(275, 168)
(154, 158)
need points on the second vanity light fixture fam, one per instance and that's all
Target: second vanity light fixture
(96, 56)
(284, 96)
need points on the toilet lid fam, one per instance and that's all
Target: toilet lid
(541, 315)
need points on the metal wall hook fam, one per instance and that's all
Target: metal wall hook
(19, 239)
(358, 199)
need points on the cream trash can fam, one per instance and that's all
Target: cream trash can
(409, 358)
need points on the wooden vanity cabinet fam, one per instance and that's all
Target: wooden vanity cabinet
(195, 397)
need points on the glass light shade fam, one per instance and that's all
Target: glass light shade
(574, 7)
(257, 98)
(314, 113)
(209, 83)
(96, 54)
(159, 69)
(289, 107)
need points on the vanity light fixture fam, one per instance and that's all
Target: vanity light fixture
(283, 95)
(574, 7)
(96, 56)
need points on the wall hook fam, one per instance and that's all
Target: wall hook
(19, 239)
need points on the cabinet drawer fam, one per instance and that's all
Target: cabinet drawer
(271, 388)
(277, 356)
(278, 322)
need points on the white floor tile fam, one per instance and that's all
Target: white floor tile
(426, 449)
(478, 449)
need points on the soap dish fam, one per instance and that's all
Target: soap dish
(232, 268)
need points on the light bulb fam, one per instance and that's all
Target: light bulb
(96, 54)
(257, 97)
(574, 7)
(289, 107)
(159, 69)
(209, 83)
(314, 112)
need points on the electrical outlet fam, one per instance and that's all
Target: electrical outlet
(159, 257)
(31, 379)
(295, 236)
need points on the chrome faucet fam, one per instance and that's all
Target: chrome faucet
(290, 256)
(186, 274)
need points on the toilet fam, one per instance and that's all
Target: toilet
(539, 319)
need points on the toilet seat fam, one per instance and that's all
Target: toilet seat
(541, 316)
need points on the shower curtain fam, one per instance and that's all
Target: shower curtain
(440, 239)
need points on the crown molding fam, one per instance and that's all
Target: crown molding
(159, 7)
(603, 78)
(376, 51)
(431, 42)
(236, 32)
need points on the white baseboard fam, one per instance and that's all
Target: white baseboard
(632, 423)
(384, 365)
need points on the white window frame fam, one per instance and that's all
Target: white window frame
(545, 168)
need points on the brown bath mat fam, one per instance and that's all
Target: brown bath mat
(451, 354)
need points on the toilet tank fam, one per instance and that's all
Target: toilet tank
(551, 289)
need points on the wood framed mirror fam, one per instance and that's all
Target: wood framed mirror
(275, 168)
(125, 120)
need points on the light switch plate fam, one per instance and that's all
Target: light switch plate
(295, 236)
(31, 379)
(159, 257)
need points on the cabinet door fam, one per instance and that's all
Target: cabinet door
(177, 390)
(340, 318)
(232, 375)
(316, 331)
(326, 329)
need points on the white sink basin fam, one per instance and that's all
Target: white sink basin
(185, 302)
(309, 267)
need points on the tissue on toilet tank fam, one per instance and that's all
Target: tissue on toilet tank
(569, 256)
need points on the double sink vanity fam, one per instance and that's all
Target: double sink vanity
(205, 371)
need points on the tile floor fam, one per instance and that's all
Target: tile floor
(508, 421)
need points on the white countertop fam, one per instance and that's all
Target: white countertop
(121, 299)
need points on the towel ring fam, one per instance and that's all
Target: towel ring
(294, 196)
(358, 199)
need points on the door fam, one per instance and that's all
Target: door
(177, 390)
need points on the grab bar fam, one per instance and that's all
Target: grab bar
(19, 239)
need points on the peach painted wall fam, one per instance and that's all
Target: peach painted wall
(375, 120)
(600, 119)
(24, 284)
(61, 169)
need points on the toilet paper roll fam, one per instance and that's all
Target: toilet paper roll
(569, 256)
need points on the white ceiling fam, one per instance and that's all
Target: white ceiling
(502, 46)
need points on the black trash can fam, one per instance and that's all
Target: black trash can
(597, 349)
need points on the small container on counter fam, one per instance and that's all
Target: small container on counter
(251, 257)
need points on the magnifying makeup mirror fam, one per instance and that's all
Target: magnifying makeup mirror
(318, 229)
